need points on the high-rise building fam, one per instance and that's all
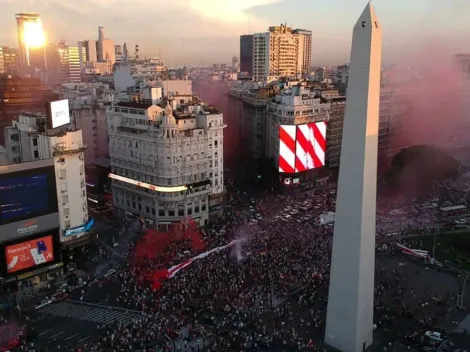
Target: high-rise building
(305, 42)
(105, 48)
(30, 41)
(101, 35)
(279, 52)
(166, 165)
(77, 57)
(65, 63)
(246, 54)
(18, 94)
(118, 49)
(90, 50)
(349, 322)
(10, 60)
(30, 139)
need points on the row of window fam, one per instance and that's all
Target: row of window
(161, 212)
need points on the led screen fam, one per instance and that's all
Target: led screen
(27, 194)
(25, 255)
(302, 147)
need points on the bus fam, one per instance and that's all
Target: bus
(453, 211)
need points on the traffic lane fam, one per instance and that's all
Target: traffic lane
(419, 282)
(418, 286)
(54, 330)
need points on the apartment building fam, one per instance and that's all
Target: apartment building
(30, 138)
(166, 162)
(281, 52)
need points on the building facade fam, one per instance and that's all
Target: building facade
(246, 54)
(295, 106)
(77, 57)
(280, 52)
(18, 94)
(254, 117)
(167, 166)
(91, 120)
(305, 42)
(29, 139)
(105, 48)
(9, 58)
(29, 56)
(90, 50)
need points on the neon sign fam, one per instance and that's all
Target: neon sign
(80, 229)
(148, 185)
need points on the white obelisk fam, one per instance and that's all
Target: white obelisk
(349, 322)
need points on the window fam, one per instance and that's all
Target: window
(171, 213)
(196, 209)
(36, 154)
(203, 207)
(35, 142)
(147, 210)
(180, 212)
(190, 211)
(161, 212)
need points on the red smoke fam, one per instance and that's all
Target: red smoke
(427, 99)
(156, 250)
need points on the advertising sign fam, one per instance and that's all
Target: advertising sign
(59, 113)
(28, 254)
(19, 229)
(27, 191)
(302, 147)
(80, 229)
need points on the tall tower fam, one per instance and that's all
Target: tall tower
(101, 35)
(30, 41)
(350, 311)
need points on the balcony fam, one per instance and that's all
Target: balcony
(58, 149)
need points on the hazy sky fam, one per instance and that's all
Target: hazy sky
(196, 31)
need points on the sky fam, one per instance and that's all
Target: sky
(195, 32)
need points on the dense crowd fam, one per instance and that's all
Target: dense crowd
(267, 292)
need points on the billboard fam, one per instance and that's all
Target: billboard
(28, 199)
(302, 147)
(20, 229)
(79, 230)
(58, 113)
(29, 254)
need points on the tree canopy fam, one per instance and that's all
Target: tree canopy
(416, 168)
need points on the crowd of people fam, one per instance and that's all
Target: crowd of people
(267, 292)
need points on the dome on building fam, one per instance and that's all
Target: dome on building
(168, 120)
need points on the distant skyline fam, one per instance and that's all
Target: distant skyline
(193, 32)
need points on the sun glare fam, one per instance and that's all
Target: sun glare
(33, 34)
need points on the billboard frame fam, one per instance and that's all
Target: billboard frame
(53, 122)
(56, 251)
(24, 226)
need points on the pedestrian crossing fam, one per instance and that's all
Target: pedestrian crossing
(90, 312)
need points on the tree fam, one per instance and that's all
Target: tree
(417, 168)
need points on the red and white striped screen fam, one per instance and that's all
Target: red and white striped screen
(302, 147)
